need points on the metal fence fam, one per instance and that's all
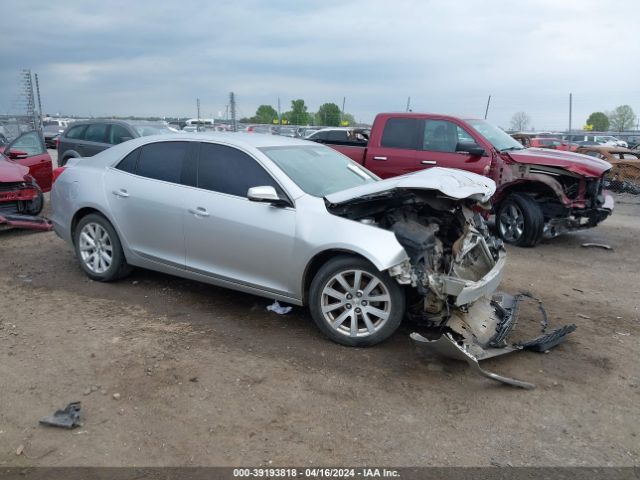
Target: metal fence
(12, 126)
(624, 177)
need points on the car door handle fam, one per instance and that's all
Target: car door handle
(428, 162)
(122, 193)
(199, 212)
(380, 158)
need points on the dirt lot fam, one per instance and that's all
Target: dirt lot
(206, 376)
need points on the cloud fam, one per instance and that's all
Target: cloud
(155, 58)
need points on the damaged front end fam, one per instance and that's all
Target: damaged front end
(453, 271)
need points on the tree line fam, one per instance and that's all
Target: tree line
(329, 114)
(620, 119)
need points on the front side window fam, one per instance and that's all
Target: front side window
(76, 132)
(119, 134)
(228, 170)
(401, 133)
(443, 136)
(162, 161)
(338, 135)
(96, 132)
(30, 143)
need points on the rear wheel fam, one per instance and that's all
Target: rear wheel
(354, 304)
(99, 250)
(519, 220)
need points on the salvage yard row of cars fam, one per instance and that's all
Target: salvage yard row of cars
(370, 232)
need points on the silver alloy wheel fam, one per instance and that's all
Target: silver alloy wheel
(355, 303)
(511, 223)
(96, 249)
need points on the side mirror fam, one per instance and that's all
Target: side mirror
(472, 149)
(17, 154)
(266, 194)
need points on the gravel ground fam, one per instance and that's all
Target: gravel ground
(173, 372)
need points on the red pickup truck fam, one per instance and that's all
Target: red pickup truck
(539, 192)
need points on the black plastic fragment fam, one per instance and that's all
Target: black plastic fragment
(548, 340)
(67, 418)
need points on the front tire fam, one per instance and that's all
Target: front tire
(35, 206)
(354, 304)
(99, 250)
(519, 220)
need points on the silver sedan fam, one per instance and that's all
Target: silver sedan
(289, 220)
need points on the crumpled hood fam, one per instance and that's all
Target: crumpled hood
(573, 162)
(451, 182)
(11, 171)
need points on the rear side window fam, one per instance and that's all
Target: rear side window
(162, 161)
(76, 132)
(128, 163)
(96, 132)
(228, 170)
(401, 133)
(338, 135)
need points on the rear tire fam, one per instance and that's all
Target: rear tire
(99, 250)
(519, 220)
(355, 304)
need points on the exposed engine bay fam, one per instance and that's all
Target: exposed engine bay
(455, 266)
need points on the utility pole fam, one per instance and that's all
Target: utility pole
(486, 111)
(570, 110)
(232, 106)
(198, 108)
(408, 104)
(279, 116)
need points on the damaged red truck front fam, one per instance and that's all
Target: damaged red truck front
(540, 192)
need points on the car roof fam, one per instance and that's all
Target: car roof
(240, 139)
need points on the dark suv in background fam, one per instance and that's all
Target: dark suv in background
(88, 137)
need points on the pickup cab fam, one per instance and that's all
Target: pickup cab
(540, 192)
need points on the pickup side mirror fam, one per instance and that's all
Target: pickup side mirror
(470, 148)
(267, 194)
(17, 154)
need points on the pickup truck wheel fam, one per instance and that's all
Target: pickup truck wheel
(519, 220)
(99, 250)
(354, 304)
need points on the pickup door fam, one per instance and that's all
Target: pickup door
(410, 144)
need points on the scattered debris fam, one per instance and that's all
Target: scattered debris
(623, 334)
(69, 417)
(27, 222)
(279, 309)
(194, 379)
(116, 396)
(597, 245)
(581, 315)
(19, 450)
(578, 290)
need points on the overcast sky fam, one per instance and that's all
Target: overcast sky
(145, 57)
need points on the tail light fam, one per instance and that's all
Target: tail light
(56, 173)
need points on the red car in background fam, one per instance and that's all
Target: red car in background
(29, 150)
(25, 173)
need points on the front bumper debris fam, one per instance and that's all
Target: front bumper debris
(26, 221)
(480, 331)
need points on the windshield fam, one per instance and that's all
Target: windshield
(146, 130)
(319, 170)
(501, 140)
